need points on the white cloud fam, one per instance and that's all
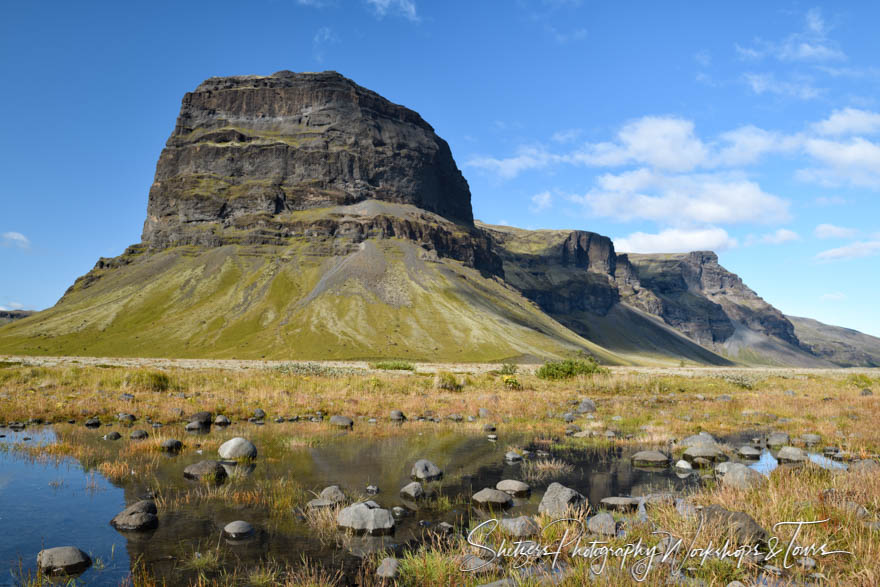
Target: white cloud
(541, 202)
(811, 44)
(852, 251)
(15, 239)
(849, 121)
(746, 145)
(831, 231)
(663, 142)
(12, 306)
(833, 297)
(676, 240)
(856, 162)
(815, 22)
(509, 167)
(324, 36)
(404, 8)
(682, 199)
(766, 83)
(566, 136)
(660, 142)
(777, 237)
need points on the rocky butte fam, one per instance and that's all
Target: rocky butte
(302, 216)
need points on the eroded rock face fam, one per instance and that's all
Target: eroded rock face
(265, 145)
(703, 300)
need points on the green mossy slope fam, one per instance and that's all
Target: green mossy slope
(294, 302)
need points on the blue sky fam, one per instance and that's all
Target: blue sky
(745, 128)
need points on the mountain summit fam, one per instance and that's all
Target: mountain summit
(247, 149)
(301, 216)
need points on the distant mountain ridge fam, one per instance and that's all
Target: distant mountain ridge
(7, 316)
(301, 216)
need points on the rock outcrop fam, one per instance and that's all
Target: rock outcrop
(7, 316)
(702, 299)
(249, 148)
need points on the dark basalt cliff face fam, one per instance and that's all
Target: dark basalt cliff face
(251, 148)
(7, 316)
(579, 279)
(704, 300)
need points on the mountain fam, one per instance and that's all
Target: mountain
(841, 346)
(7, 316)
(301, 216)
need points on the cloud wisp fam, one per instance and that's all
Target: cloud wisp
(856, 250)
(404, 8)
(676, 240)
(15, 239)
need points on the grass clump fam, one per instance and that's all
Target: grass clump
(508, 368)
(148, 380)
(543, 469)
(511, 382)
(394, 366)
(568, 368)
(447, 382)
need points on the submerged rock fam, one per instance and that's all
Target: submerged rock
(521, 527)
(206, 471)
(620, 504)
(709, 452)
(63, 560)
(649, 458)
(791, 454)
(514, 487)
(778, 439)
(559, 499)
(201, 418)
(342, 422)
(749, 452)
(488, 497)
(330, 496)
(366, 517)
(137, 517)
(413, 491)
(238, 448)
(238, 529)
(138, 435)
(425, 470)
(171, 445)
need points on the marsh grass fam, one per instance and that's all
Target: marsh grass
(544, 469)
(322, 523)
(393, 366)
(651, 403)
